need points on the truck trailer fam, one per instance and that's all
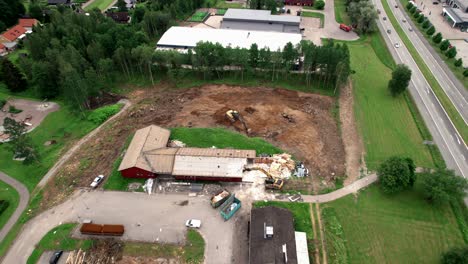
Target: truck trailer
(107, 230)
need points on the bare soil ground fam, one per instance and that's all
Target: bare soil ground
(310, 135)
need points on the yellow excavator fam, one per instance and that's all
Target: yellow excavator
(270, 182)
(234, 116)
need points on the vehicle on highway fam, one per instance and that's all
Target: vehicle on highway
(404, 20)
(396, 6)
(410, 29)
(435, 3)
(193, 223)
(384, 18)
(389, 31)
(378, 11)
(97, 181)
(55, 257)
(345, 27)
(466, 40)
(397, 45)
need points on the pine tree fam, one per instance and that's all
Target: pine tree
(12, 77)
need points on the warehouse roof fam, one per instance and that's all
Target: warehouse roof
(259, 16)
(214, 152)
(456, 14)
(186, 37)
(281, 244)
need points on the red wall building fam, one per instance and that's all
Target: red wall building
(299, 2)
(135, 172)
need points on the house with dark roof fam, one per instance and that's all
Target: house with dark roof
(119, 17)
(272, 238)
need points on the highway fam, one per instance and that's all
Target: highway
(445, 136)
(453, 88)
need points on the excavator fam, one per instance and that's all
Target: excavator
(234, 115)
(270, 182)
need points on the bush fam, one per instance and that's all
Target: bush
(426, 24)
(444, 45)
(430, 31)
(409, 6)
(3, 206)
(457, 255)
(413, 10)
(451, 53)
(458, 62)
(12, 109)
(443, 186)
(437, 38)
(2, 103)
(396, 174)
(98, 116)
(465, 73)
(421, 19)
(320, 5)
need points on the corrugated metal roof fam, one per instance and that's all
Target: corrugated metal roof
(208, 166)
(161, 160)
(148, 138)
(259, 15)
(186, 37)
(214, 152)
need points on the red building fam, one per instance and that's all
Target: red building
(299, 2)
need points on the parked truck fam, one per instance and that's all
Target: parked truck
(230, 207)
(219, 198)
(107, 230)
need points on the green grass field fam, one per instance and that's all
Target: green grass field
(224, 4)
(404, 228)
(58, 239)
(386, 123)
(340, 12)
(314, 14)
(199, 16)
(443, 98)
(100, 4)
(9, 194)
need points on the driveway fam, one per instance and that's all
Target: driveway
(155, 218)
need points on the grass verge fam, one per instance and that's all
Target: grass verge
(439, 92)
(315, 15)
(58, 239)
(341, 15)
(11, 196)
(100, 4)
(401, 228)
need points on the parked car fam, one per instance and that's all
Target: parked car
(345, 27)
(389, 31)
(193, 223)
(397, 45)
(410, 29)
(55, 257)
(404, 20)
(97, 181)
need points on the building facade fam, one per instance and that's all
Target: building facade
(260, 20)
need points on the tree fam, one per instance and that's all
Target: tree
(21, 144)
(444, 45)
(409, 6)
(443, 185)
(413, 10)
(437, 38)
(396, 174)
(138, 14)
(364, 15)
(451, 53)
(253, 55)
(430, 31)
(12, 76)
(465, 73)
(416, 15)
(400, 80)
(13, 129)
(122, 6)
(320, 5)
(426, 24)
(458, 62)
(421, 19)
(35, 11)
(458, 255)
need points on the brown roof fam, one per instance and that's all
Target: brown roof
(214, 152)
(145, 139)
(13, 33)
(27, 22)
(161, 160)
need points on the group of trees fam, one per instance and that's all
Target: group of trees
(438, 187)
(12, 76)
(10, 10)
(362, 14)
(271, 5)
(21, 143)
(177, 9)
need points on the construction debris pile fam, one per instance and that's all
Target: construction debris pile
(103, 252)
(278, 166)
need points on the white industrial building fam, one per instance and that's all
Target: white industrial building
(183, 38)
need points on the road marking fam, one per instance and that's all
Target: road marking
(456, 136)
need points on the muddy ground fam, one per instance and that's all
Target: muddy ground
(310, 134)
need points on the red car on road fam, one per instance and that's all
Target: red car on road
(345, 27)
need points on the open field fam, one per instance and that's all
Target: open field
(380, 228)
(100, 4)
(443, 98)
(10, 195)
(376, 109)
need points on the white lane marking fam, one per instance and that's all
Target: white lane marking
(456, 136)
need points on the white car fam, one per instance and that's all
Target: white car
(97, 181)
(397, 45)
(194, 223)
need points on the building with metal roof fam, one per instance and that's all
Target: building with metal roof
(461, 4)
(183, 38)
(456, 17)
(148, 156)
(260, 20)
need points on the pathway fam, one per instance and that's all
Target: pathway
(23, 203)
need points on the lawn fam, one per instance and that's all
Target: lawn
(380, 228)
(10, 195)
(386, 123)
(199, 16)
(100, 4)
(340, 12)
(315, 15)
(225, 4)
(443, 98)
(58, 238)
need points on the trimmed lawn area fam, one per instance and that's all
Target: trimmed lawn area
(10, 195)
(380, 228)
(199, 16)
(58, 239)
(443, 98)
(340, 12)
(314, 14)
(386, 123)
(100, 4)
(225, 4)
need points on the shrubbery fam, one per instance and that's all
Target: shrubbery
(320, 5)
(457, 255)
(98, 116)
(3, 206)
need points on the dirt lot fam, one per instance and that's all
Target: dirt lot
(311, 134)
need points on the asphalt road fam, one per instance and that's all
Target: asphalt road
(450, 144)
(453, 88)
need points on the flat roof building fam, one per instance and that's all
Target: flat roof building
(456, 17)
(261, 20)
(183, 38)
